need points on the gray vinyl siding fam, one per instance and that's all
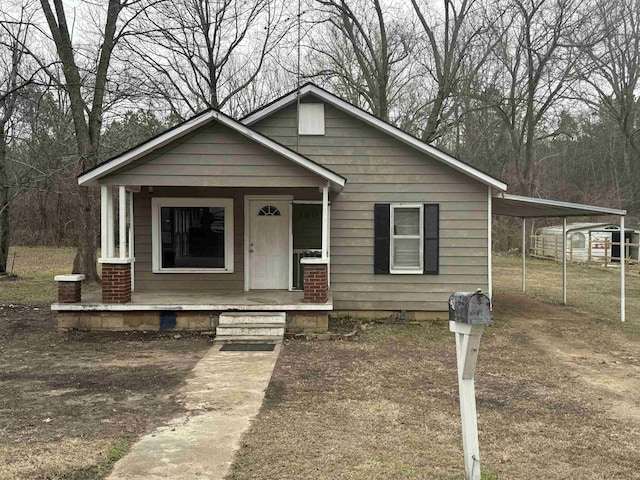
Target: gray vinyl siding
(214, 156)
(146, 280)
(381, 169)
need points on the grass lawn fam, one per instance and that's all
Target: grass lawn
(33, 269)
(589, 288)
(71, 403)
(557, 388)
(556, 394)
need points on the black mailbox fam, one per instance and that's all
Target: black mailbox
(473, 308)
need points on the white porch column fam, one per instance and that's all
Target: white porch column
(107, 233)
(325, 222)
(122, 225)
(131, 239)
(104, 192)
(623, 254)
(131, 254)
(524, 254)
(564, 260)
(117, 271)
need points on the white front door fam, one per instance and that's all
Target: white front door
(268, 244)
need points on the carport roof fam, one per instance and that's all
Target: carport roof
(529, 207)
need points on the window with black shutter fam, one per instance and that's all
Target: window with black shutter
(381, 230)
(406, 239)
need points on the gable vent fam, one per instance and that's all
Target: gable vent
(311, 119)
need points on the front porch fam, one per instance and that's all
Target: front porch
(214, 239)
(205, 218)
(222, 300)
(267, 263)
(194, 311)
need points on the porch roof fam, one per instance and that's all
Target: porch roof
(91, 177)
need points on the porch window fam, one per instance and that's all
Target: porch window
(192, 235)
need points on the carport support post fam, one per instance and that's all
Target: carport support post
(467, 346)
(622, 279)
(564, 260)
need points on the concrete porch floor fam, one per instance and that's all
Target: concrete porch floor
(219, 300)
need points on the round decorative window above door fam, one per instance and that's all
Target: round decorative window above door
(269, 211)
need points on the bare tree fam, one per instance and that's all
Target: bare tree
(16, 75)
(86, 91)
(197, 54)
(533, 68)
(451, 55)
(364, 52)
(611, 68)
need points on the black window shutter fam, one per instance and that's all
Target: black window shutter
(381, 234)
(431, 239)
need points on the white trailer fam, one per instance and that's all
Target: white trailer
(597, 242)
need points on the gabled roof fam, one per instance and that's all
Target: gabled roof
(375, 122)
(91, 177)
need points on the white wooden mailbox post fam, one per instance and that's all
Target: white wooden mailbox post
(469, 312)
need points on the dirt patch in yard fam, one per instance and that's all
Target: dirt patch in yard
(603, 358)
(556, 395)
(72, 402)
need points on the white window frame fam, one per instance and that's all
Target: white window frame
(393, 236)
(156, 235)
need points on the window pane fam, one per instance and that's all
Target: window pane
(192, 237)
(406, 253)
(406, 221)
(578, 240)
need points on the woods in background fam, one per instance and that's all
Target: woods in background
(540, 93)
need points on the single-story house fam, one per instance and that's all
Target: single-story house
(598, 242)
(307, 206)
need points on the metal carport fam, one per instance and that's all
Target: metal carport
(528, 207)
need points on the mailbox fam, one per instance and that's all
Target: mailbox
(473, 308)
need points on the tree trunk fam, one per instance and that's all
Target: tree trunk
(430, 132)
(87, 128)
(4, 229)
(4, 204)
(85, 261)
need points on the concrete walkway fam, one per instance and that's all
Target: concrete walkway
(223, 394)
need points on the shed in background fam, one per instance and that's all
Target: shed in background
(586, 242)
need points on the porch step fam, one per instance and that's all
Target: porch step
(251, 327)
(257, 329)
(248, 339)
(235, 318)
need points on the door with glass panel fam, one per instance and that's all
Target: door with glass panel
(268, 244)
